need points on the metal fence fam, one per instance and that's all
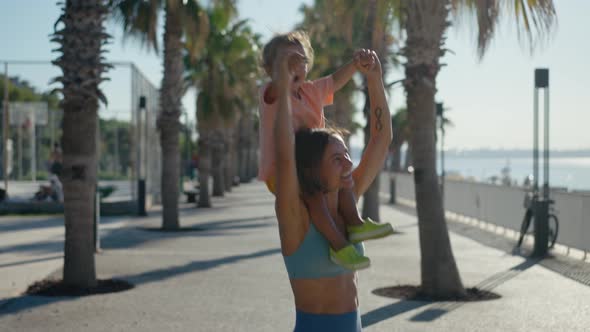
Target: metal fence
(129, 146)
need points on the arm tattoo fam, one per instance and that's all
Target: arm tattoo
(378, 113)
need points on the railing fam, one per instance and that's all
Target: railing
(503, 206)
(129, 147)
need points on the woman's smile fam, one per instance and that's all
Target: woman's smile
(347, 179)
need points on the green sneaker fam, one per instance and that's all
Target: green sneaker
(369, 230)
(349, 258)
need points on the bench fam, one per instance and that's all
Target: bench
(191, 195)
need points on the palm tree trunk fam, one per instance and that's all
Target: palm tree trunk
(229, 159)
(243, 163)
(252, 161)
(204, 167)
(254, 148)
(235, 179)
(251, 148)
(218, 170)
(425, 27)
(79, 184)
(242, 146)
(168, 119)
(81, 41)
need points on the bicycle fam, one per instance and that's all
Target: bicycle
(529, 202)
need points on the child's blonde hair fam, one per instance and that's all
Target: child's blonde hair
(297, 37)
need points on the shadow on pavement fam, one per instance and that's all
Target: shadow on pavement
(169, 272)
(28, 261)
(21, 225)
(27, 302)
(44, 247)
(229, 223)
(438, 309)
(43, 222)
(389, 311)
(136, 236)
(128, 237)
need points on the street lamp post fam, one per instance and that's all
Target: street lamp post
(141, 153)
(5, 127)
(541, 205)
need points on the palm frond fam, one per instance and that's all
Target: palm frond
(542, 14)
(139, 19)
(226, 72)
(195, 23)
(534, 19)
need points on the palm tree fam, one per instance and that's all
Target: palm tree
(425, 24)
(81, 40)
(226, 77)
(336, 29)
(246, 145)
(184, 23)
(243, 75)
(333, 44)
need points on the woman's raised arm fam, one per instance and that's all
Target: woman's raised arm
(380, 130)
(288, 207)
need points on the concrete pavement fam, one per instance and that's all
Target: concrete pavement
(226, 274)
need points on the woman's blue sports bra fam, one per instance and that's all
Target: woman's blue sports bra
(312, 259)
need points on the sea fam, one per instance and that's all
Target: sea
(571, 173)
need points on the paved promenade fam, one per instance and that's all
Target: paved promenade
(227, 274)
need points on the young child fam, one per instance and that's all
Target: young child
(308, 99)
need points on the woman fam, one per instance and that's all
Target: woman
(326, 297)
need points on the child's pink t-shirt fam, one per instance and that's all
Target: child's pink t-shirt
(308, 112)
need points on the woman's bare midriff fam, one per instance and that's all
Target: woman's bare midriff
(328, 295)
(332, 295)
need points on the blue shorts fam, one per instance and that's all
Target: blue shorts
(348, 322)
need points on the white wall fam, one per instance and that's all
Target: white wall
(503, 206)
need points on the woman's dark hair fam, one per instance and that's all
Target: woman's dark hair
(310, 145)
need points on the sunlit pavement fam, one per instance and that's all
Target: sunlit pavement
(225, 273)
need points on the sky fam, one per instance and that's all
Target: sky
(490, 101)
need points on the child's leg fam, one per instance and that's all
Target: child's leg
(347, 208)
(323, 221)
(341, 252)
(359, 229)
